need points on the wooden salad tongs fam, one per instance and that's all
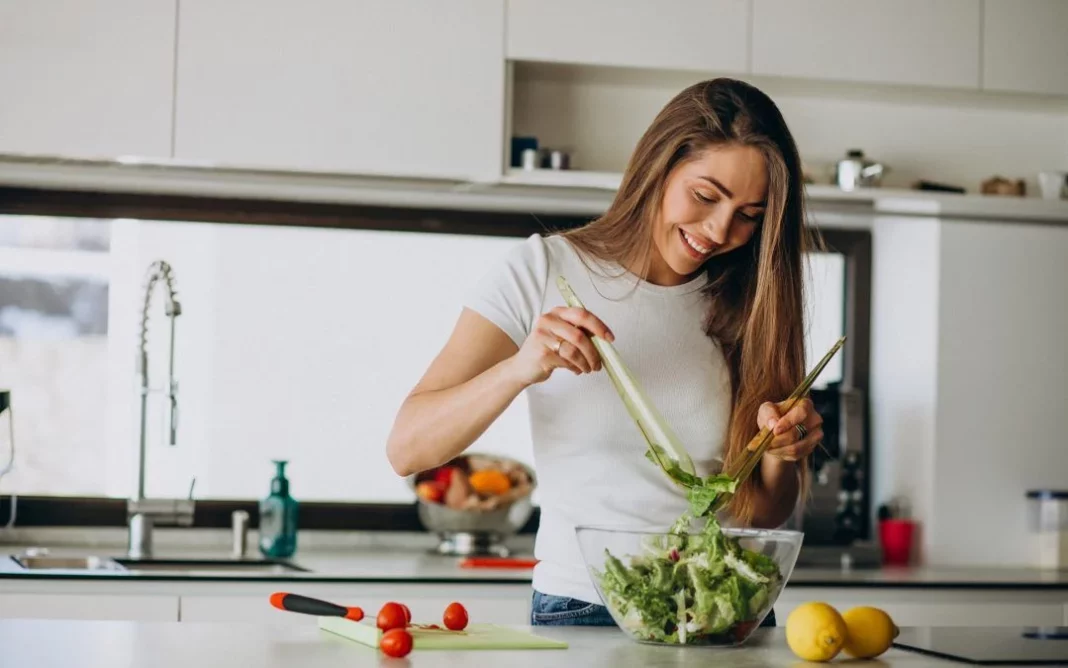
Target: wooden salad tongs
(741, 469)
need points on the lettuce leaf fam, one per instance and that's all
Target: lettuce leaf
(706, 490)
(760, 563)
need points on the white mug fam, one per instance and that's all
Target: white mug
(1052, 184)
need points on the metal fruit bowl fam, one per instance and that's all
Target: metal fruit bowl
(475, 532)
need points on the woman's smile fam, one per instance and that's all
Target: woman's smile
(698, 247)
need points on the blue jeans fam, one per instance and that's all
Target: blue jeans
(548, 610)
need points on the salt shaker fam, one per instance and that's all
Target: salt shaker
(530, 157)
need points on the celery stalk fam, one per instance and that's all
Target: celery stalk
(664, 447)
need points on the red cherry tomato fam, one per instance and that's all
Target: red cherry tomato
(455, 618)
(407, 613)
(391, 616)
(396, 643)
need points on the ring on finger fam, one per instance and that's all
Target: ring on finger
(556, 346)
(801, 431)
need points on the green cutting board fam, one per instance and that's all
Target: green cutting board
(475, 636)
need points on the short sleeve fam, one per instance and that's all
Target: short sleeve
(511, 293)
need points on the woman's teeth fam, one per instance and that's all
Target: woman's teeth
(693, 243)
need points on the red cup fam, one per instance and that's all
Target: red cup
(896, 537)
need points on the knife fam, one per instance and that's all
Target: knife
(313, 606)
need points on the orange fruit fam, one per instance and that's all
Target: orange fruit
(490, 482)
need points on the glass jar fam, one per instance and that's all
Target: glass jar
(1049, 522)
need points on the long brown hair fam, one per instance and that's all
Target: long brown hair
(754, 293)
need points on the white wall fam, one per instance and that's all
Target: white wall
(955, 137)
(970, 380)
(1002, 387)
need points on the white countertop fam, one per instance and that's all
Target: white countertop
(93, 644)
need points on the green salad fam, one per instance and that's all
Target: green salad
(690, 588)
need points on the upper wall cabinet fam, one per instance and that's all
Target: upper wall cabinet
(1025, 46)
(86, 79)
(388, 87)
(917, 42)
(708, 35)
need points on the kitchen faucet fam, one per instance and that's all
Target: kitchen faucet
(144, 513)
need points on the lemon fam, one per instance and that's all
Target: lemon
(869, 632)
(815, 632)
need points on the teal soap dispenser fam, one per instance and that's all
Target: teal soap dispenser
(278, 517)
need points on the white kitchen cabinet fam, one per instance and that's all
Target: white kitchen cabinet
(388, 87)
(86, 79)
(145, 608)
(706, 35)
(498, 604)
(1025, 46)
(918, 42)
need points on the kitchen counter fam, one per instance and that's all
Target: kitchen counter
(94, 644)
(415, 565)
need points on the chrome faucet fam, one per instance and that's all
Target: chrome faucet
(145, 513)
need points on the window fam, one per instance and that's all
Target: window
(54, 297)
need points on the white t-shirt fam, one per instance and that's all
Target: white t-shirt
(589, 456)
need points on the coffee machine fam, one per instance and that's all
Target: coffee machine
(836, 516)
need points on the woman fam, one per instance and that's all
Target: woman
(695, 273)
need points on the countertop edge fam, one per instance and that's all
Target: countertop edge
(823, 583)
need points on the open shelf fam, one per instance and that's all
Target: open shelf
(563, 178)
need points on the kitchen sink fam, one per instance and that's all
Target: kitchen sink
(215, 566)
(133, 566)
(68, 563)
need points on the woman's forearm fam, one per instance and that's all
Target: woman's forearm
(433, 426)
(777, 493)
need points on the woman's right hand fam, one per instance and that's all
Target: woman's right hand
(560, 339)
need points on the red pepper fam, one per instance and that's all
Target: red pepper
(444, 475)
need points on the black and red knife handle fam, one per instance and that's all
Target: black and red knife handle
(313, 606)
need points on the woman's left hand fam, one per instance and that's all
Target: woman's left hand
(790, 443)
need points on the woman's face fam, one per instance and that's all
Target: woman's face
(712, 204)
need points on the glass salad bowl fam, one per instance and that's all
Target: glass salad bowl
(707, 586)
